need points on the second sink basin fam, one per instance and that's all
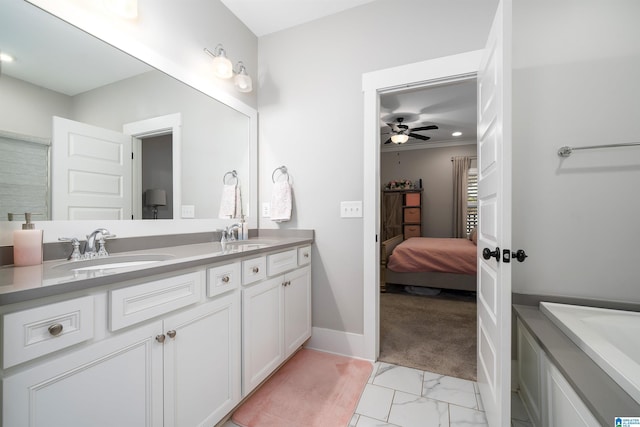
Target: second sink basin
(111, 262)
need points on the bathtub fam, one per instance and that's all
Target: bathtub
(610, 337)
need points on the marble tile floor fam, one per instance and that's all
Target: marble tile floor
(397, 396)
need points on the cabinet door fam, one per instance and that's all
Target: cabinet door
(262, 331)
(297, 309)
(115, 382)
(530, 373)
(564, 407)
(202, 363)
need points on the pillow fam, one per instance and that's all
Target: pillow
(474, 235)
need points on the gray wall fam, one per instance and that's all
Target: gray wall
(576, 83)
(433, 165)
(30, 107)
(311, 114)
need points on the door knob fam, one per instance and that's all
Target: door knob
(488, 254)
(520, 255)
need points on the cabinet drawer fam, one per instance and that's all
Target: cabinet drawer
(412, 215)
(412, 231)
(412, 199)
(38, 331)
(223, 278)
(282, 261)
(254, 270)
(304, 255)
(135, 304)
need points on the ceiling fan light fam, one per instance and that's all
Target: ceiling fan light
(399, 138)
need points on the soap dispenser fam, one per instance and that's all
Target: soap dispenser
(243, 232)
(27, 244)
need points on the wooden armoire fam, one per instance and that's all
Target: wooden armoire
(401, 213)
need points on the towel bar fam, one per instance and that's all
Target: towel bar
(283, 171)
(233, 174)
(566, 150)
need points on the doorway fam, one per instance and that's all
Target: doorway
(156, 177)
(433, 72)
(156, 131)
(427, 320)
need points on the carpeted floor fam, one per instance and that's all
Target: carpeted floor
(431, 333)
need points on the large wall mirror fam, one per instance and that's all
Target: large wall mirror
(67, 92)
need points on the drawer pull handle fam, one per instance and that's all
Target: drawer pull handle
(255, 269)
(171, 333)
(225, 279)
(160, 338)
(306, 255)
(55, 329)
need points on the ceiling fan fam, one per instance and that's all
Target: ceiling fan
(403, 132)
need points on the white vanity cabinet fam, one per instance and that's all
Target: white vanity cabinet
(276, 315)
(549, 398)
(116, 381)
(168, 356)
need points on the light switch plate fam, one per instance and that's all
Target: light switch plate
(266, 210)
(352, 209)
(188, 211)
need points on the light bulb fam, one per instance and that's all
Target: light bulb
(242, 80)
(399, 138)
(222, 67)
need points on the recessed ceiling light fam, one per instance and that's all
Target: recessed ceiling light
(456, 134)
(6, 58)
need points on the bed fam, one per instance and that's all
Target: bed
(429, 262)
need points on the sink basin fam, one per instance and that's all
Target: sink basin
(111, 262)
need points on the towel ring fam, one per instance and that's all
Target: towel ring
(233, 174)
(283, 171)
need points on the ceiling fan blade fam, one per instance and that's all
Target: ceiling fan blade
(430, 127)
(388, 141)
(418, 136)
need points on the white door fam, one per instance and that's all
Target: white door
(91, 172)
(494, 205)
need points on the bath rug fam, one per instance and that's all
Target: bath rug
(313, 389)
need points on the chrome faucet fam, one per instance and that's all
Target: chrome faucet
(230, 232)
(90, 247)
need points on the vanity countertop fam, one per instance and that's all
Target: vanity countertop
(18, 284)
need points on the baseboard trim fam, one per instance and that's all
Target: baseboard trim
(337, 342)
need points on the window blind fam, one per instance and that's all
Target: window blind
(24, 175)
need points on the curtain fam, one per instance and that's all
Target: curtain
(460, 176)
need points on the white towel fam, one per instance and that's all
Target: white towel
(229, 201)
(281, 202)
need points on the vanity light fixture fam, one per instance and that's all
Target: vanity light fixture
(223, 69)
(399, 138)
(456, 133)
(242, 80)
(222, 66)
(127, 9)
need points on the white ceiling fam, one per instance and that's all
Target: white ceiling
(52, 54)
(451, 107)
(268, 16)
